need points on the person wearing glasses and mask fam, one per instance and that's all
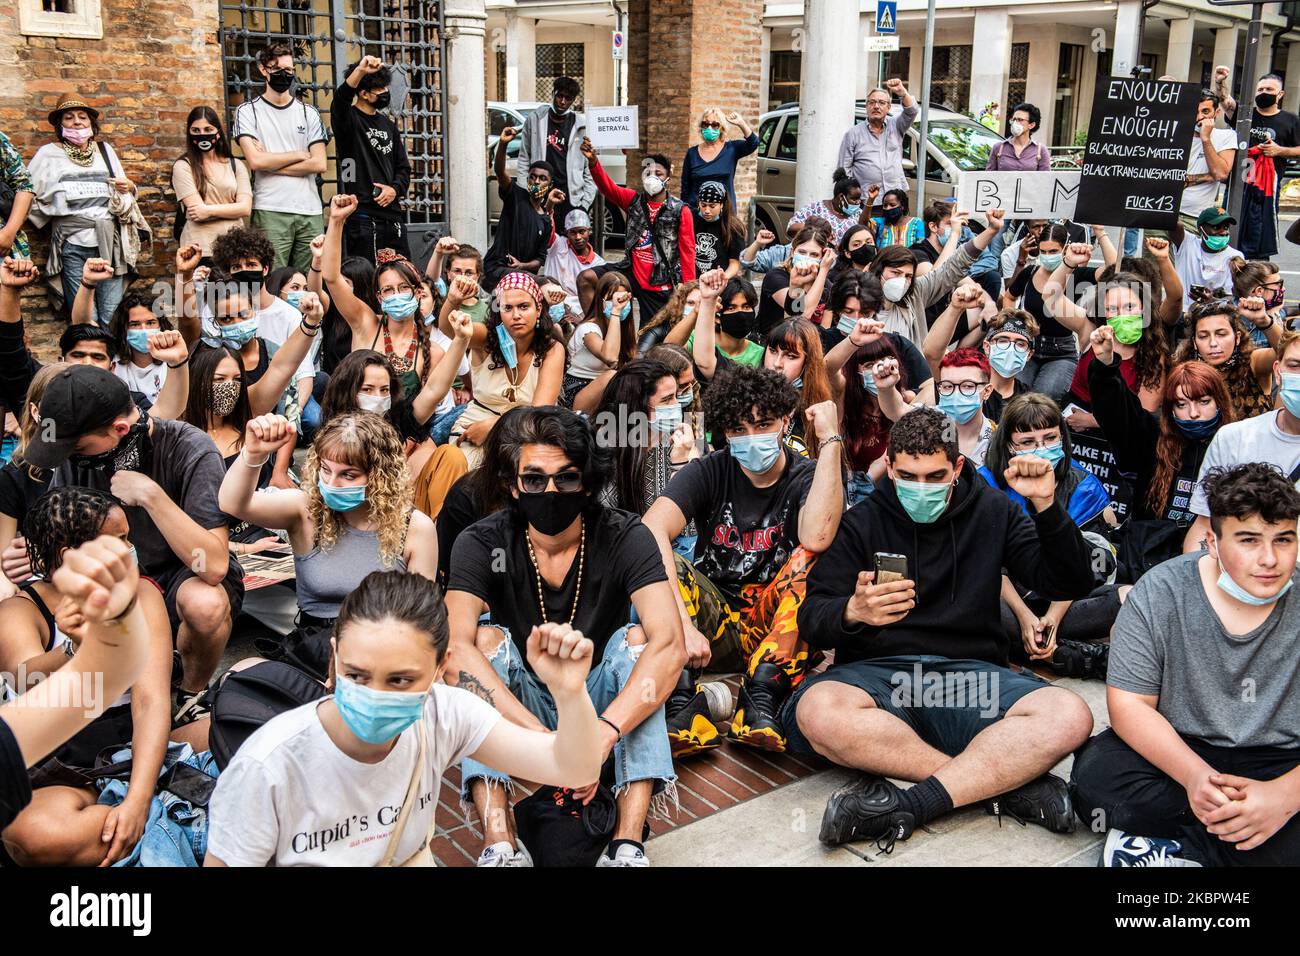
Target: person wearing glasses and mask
(715, 159)
(369, 140)
(556, 557)
(963, 385)
(283, 140)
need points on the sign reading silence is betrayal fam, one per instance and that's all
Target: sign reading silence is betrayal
(1135, 163)
(613, 127)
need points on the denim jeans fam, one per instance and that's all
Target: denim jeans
(642, 754)
(859, 487)
(107, 293)
(176, 833)
(1051, 369)
(1131, 241)
(440, 430)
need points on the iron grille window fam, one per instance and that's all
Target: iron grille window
(329, 36)
(1019, 75)
(501, 74)
(898, 64)
(559, 59)
(950, 78)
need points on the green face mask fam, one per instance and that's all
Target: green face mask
(1128, 328)
(923, 501)
(1216, 243)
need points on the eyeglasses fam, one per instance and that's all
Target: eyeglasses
(710, 126)
(534, 483)
(966, 388)
(1020, 345)
(1036, 445)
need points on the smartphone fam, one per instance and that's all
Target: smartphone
(890, 567)
(1046, 638)
(1200, 292)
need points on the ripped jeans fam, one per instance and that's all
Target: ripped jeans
(643, 753)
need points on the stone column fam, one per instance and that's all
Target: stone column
(521, 57)
(466, 162)
(825, 101)
(991, 66)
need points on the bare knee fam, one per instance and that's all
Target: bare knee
(635, 636)
(822, 710)
(45, 834)
(1060, 716)
(204, 608)
(488, 640)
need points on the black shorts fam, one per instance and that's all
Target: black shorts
(946, 702)
(170, 583)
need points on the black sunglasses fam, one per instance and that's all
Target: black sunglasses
(534, 483)
(710, 126)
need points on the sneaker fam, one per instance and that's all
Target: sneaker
(188, 707)
(867, 809)
(1080, 659)
(625, 855)
(761, 697)
(691, 729)
(1045, 801)
(503, 854)
(721, 703)
(1125, 849)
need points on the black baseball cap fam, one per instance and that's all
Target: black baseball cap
(78, 400)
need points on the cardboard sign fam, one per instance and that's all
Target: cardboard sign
(1092, 452)
(1027, 195)
(613, 127)
(1135, 163)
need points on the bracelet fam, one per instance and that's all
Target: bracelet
(314, 269)
(243, 456)
(612, 724)
(832, 440)
(125, 611)
(178, 364)
(309, 330)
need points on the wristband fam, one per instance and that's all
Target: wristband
(125, 611)
(612, 724)
(243, 456)
(314, 269)
(178, 364)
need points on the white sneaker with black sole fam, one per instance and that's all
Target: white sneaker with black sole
(625, 855)
(1126, 849)
(503, 854)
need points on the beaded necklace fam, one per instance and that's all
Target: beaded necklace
(537, 575)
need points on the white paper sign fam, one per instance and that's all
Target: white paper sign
(882, 44)
(1028, 195)
(613, 126)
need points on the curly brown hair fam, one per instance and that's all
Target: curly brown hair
(363, 440)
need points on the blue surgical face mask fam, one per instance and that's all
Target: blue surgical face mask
(441, 287)
(1198, 428)
(400, 306)
(1291, 392)
(1049, 453)
(960, 408)
(686, 399)
(853, 211)
(138, 339)
(341, 499)
(1007, 360)
(1050, 262)
(802, 259)
(609, 307)
(375, 716)
(508, 350)
(293, 298)
(944, 237)
(556, 312)
(923, 501)
(1234, 590)
(847, 324)
(238, 333)
(869, 381)
(667, 418)
(756, 453)
(688, 311)
(798, 382)
(135, 557)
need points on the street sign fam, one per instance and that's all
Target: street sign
(882, 44)
(887, 16)
(619, 45)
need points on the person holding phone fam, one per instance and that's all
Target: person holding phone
(938, 626)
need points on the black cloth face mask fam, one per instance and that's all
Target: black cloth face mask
(862, 255)
(383, 100)
(737, 324)
(550, 512)
(133, 453)
(204, 143)
(280, 80)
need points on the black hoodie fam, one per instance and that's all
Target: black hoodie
(956, 563)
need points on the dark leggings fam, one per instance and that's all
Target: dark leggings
(1088, 620)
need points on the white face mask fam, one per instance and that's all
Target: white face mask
(379, 404)
(895, 288)
(1017, 128)
(653, 184)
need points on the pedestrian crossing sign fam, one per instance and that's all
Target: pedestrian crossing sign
(887, 16)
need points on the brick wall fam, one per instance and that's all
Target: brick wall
(687, 56)
(155, 62)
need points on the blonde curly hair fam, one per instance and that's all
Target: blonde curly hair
(367, 441)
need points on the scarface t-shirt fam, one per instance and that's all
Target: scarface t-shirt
(745, 533)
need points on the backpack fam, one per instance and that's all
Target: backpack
(247, 699)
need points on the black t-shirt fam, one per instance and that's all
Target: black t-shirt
(1032, 303)
(621, 558)
(769, 313)
(522, 231)
(185, 463)
(994, 404)
(19, 491)
(1283, 128)
(337, 340)
(15, 785)
(745, 533)
(559, 137)
(372, 146)
(916, 370)
(459, 511)
(713, 249)
(925, 252)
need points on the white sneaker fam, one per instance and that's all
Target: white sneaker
(721, 704)
(1127, 850)
(625, 855)
(503, 854)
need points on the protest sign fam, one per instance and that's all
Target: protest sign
(1135, 163)
(1092, 451)
(613, 127)
(1023, 195)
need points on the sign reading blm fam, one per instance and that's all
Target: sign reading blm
(1135, 163)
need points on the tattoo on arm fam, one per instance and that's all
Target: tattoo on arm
(467, 681)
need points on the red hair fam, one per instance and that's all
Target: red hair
(966, 358)
(1196, 379)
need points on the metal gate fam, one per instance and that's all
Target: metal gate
(327, 36)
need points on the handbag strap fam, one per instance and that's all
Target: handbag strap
(409, 800)
(103, 151)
